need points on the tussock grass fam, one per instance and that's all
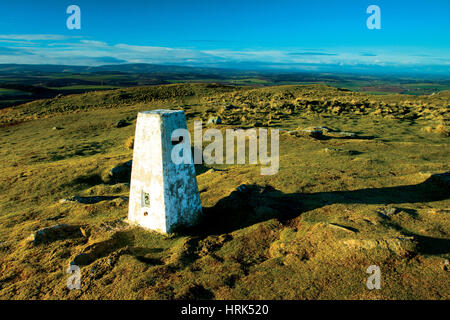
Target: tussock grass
(308, 232)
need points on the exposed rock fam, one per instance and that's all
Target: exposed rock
(54, 233)
(121, 124)
(326, 129)
(210, 171)
(289, 132)
(332, 150)
(345, 134)
(91, 200)
(313, 132)
(387, 212)
(399, 246)
(215, 120)
(319, 132)
(343, 228)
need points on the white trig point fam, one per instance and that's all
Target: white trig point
(163, 195)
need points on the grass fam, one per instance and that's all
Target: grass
(308, 232)
(10, 92)
(87, 88)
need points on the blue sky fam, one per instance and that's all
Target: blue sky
(309, 35)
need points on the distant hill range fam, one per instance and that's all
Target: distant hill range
(127, 68)
(20, 83)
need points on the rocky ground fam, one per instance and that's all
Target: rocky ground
(363, 181)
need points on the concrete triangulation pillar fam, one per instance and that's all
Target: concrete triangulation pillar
(163, 195)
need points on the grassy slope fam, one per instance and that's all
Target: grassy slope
(308, 232)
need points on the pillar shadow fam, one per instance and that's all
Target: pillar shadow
(251, 204)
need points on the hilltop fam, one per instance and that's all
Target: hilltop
(370, 189)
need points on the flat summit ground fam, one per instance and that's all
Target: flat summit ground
(368, 189)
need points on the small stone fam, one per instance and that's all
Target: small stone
(446, 266)
(326, 129)
(121, 124)
(387, 212)
(214, 120)
(345, 134)
(332, 150)
(291, 132)
(390, 211)
(54, 233)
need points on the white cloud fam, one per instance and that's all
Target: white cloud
(32, 37)
(79, 51)
(22, 42)
(94, 43)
